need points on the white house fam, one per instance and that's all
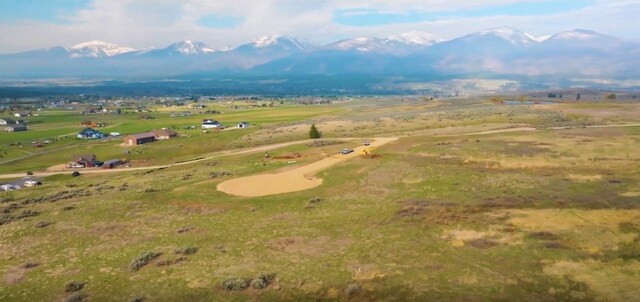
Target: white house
(7, 121)
(211, 124)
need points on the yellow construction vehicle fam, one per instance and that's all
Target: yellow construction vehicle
(368, 152)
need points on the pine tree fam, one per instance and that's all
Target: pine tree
(313, 132)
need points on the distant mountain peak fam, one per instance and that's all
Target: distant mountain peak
(266, 41)
(188, 47)
(576, 34)
(511, 34)
(97, 49)
(415, 38)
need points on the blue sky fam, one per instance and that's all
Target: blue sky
(372, 17)
(33, 24)
(216, 21)
(54, 11)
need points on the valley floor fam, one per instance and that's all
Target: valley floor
(475, 201)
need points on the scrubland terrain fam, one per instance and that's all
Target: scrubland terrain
(475, 201)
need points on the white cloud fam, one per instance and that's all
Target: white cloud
(145, 23)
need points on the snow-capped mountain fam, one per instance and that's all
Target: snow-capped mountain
(501, 50)
(97, 49)
(188, 47)
(415, 38)
(273, 43)
(401, 44)
(577, 34)
(509, 34)
(268, 41)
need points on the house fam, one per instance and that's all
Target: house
(89, 124)
(90, 133)
(211, 124)
(139, 139)
(88, 111)
(7, 121)
(82, 161)
(112, 163)
(164, 134)
(14, 128)
(243, 125)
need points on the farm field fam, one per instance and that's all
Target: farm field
(472, 200)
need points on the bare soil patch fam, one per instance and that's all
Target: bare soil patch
(293, 180)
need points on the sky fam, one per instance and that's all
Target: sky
(35, 24)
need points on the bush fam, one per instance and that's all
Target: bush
(68, 208)
(186, 250)
(143, 260)
(352, 290)
(42, 224)
(259, 284)
(30, 265)
(217, 174)
(234, 284)
(27, 213)
(543, 235)
(150, 190)
(73, 286)
(75, 297)
(315, 200)
(262, 280)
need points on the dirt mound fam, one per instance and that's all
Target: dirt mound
(297, 179)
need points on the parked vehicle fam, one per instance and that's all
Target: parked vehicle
(75, 174)
(366, 143)
(345, 151)
(32, 183)
(9, 187)
(29, 173)
(75, 165)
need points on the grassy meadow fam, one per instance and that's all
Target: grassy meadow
(453, 210)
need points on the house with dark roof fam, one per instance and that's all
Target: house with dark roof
(90, 133)
(14, 128)
(82, 161)
(112, 163)
(7, 121)
(211, 124)
(139, 139)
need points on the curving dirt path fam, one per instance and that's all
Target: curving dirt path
(275, 146)
(293, 180)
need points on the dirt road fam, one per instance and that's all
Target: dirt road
(205, 158)
(280, 145)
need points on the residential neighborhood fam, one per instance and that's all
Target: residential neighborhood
(90, 133)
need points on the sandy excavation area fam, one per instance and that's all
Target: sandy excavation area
(297, 179)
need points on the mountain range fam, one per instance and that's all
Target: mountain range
(501, 51)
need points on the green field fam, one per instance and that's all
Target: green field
(453, 210)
